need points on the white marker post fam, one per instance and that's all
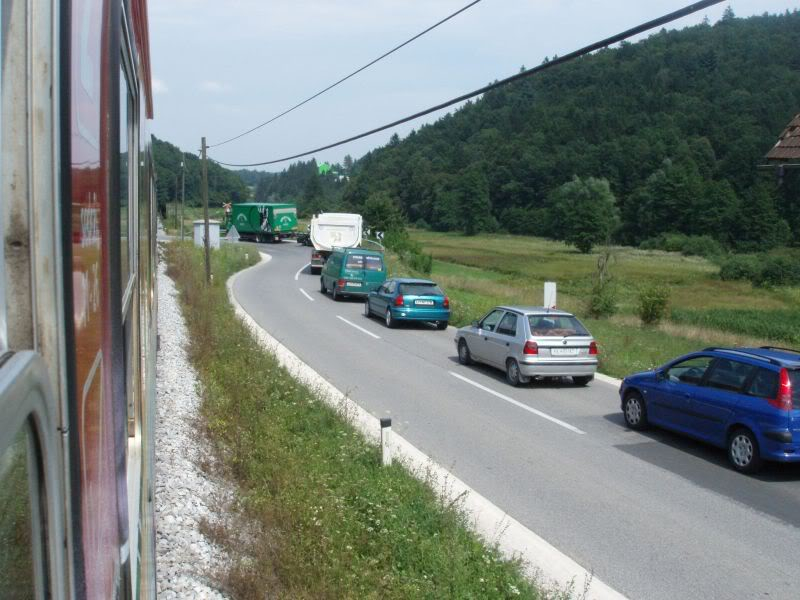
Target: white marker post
(386, 434)
(549, 294)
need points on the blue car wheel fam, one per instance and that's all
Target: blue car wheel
(743, 451)
(635, 411)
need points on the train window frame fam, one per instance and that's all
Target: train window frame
(26, 407)
(128, 84)
(3, 321)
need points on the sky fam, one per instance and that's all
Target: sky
(222, 67)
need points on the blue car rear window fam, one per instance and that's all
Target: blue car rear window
(420, 289)
(794, 378)
(764, 384)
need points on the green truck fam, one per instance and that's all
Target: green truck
(262, 221)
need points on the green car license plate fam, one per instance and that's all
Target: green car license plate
(354, 283)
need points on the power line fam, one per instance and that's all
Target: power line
(343, 79)
(688, 10)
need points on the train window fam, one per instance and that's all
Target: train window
(20, 549)
(124, 180)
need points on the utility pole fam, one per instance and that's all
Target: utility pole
(205, 212)
(176, 204)
(183, 193)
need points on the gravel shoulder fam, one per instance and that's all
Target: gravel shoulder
(186, 495)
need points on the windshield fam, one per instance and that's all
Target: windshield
(420, 289)
(556, 325)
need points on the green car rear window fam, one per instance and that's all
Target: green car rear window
(420, 289)
(556, 325)
(360, 261)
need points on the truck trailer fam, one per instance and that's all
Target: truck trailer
(333, 230)
(262, 221)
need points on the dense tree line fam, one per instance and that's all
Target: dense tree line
(660, 136)
(303, 184)
(223, 185)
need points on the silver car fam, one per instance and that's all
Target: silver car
(530, 341)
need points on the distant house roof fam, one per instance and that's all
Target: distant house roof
(788, 146)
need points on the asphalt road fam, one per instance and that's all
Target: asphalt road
(652, 514)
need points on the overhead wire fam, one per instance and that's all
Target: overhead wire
(663, 20)
(346, 77)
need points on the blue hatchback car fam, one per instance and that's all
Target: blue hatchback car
(744, 399)
(409, 300)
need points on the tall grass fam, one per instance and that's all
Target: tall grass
(778, 325)
(330, 522)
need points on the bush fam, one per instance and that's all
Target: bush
(701, 245)
(409, 251)
(419, 261)
(688, 245)
(653, 303)
(741, 267)
(602, 300)
(777, 270)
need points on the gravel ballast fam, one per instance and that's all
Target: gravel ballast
(185, 495)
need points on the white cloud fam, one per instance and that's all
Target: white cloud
(159, 87)
(215, 87)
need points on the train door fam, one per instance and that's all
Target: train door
(33, 423)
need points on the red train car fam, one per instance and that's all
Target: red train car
(77, 301)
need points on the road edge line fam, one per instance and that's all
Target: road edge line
(513, 539)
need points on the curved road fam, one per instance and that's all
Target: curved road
(652, 514)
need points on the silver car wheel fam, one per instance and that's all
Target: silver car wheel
(512, 373)
(742, 450)
(464, 355)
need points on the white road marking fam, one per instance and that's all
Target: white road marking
(377, 337)
(520, 404)
(305, 293)
(300, 270)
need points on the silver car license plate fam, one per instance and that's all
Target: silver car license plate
(564, 351)
(423, 302)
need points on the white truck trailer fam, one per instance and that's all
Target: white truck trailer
(333, 230)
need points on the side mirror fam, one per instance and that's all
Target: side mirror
(475, 324)
(661, 375)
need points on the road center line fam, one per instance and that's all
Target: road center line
(305, 293)
(517, 403)
(300, 270)
(377, 337)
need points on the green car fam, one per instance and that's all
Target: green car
(352, 272)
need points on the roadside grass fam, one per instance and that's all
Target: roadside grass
(329, 521)
(190, 215)
(484, 271)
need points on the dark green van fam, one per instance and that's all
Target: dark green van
(352, 272)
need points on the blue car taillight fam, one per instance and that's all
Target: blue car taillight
(784, 399)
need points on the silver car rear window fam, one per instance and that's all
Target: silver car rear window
(555, 325)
